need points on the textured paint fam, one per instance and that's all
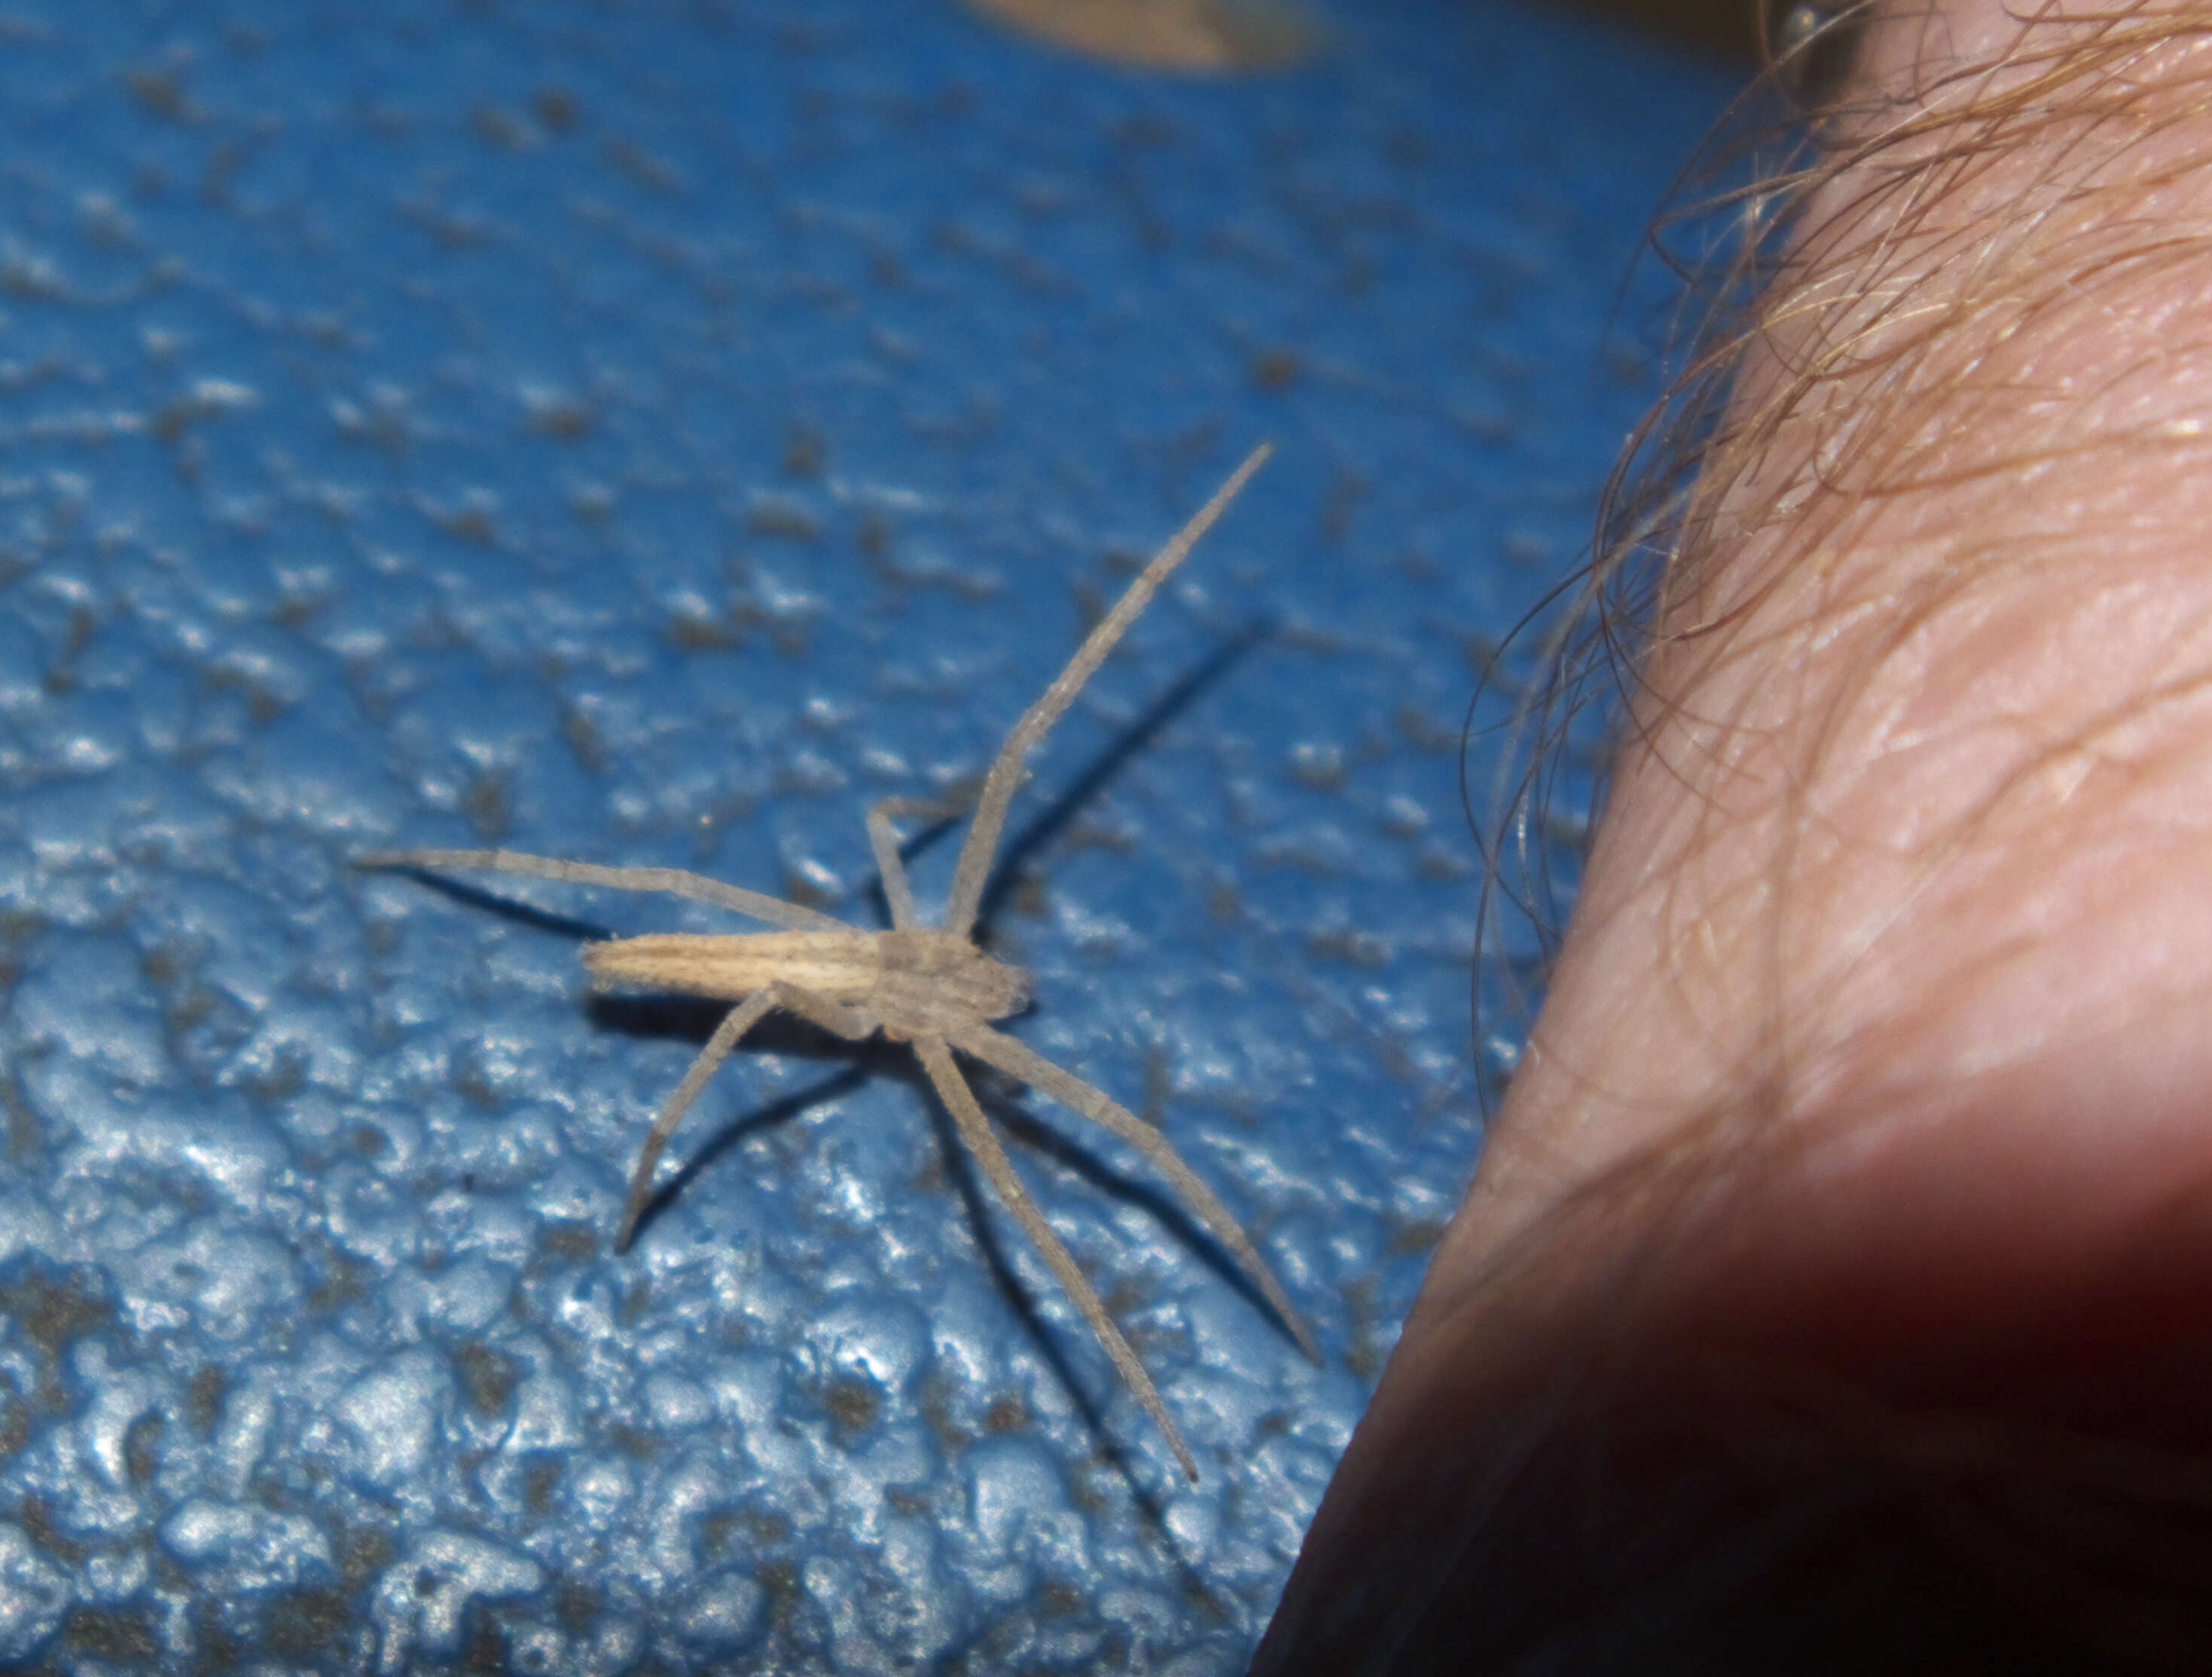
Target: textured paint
(650, 434)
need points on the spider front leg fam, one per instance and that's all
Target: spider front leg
(981, 847)
(976, 1133)
(883, 839)
(853, 1026)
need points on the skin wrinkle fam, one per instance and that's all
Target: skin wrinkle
(1871, 1103)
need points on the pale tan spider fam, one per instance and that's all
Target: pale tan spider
(928, 986)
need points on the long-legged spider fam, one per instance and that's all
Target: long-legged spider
(930, 987)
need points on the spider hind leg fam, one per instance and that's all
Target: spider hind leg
(975, 1134)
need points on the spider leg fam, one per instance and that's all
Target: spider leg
(1016, 1058)
(673, 881)
(898, 891)
(976, 1133)
(735, 1023)
(981, 845)
(831, 1016)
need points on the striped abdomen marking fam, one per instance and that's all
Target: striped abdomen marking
(840, 965)
(914, 983)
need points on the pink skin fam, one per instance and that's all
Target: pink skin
(1864, 1141)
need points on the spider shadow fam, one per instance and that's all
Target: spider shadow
(996, 1091)
(693, 1019)
(506, 908)
(961, 1169)
(1034, 835)
(1150, 1507)
(1050, 1347)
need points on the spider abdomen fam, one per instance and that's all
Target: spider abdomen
(840, 965)
(913, 983)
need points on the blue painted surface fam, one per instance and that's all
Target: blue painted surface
(652, 433)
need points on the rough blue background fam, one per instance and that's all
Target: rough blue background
(651, 432)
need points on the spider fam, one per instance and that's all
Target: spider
(929, 986)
